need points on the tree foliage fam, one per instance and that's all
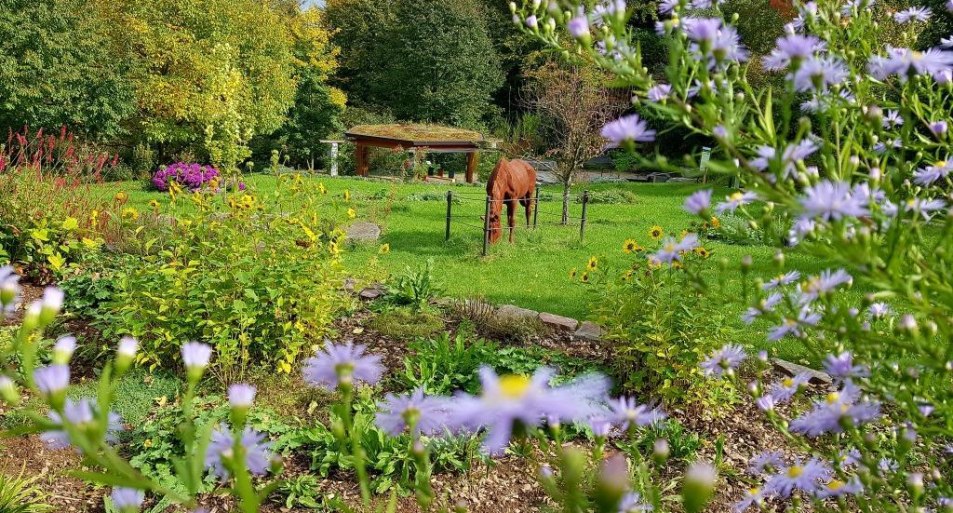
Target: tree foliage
(56, 69)
(424, 60)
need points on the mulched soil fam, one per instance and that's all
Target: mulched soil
(508, 485)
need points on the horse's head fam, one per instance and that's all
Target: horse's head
(496, 228)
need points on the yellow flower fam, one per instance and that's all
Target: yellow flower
(385, 249)
(702, 252)
(347, 195)
(684, 233)
(677, 264)
(593, 263)
(351, 213)
(628, 275)
(585, 277)
(321, 188)
(630, 246)
(715, 222)
(154, 204)
(572, 273)
(130, 213)
(656, 232)
(121, 197)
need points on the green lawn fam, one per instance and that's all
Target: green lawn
(531, 273)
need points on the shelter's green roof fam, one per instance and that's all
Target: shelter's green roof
(417, 133)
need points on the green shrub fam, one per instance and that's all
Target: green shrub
(661, 326)
(258, 286)
(443, 365)
(414, 288)
(20, 494)
(405, 324)
(610, 196)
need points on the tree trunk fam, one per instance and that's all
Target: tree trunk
(565, 203)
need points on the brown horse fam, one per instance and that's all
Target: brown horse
(512, 181)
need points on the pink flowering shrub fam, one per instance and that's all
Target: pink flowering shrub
(189, 176)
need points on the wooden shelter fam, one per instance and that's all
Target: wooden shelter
(411, 138)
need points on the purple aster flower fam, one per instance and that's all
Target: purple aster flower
(127, 499)
(924, 207)
(196, 355)
(734, 201)
(787, 388)
(600, 427)
(727, 358)
(9, 290)
(764, 306)
(946, 42)
(837, 488)
(766, 461)
(335, 363)
(632, 503)
(510, 399)
(532, 21)
(667, 6)
(241, 395)
(818, 74)
(221, 448)
(832, 201)
(672, 250)
(752, 497)
(928, 175)
(916, 13)
(698, 202)
(426, 413)
(720, 132)
(892, 119)
(766, 403)
(806, 477)
(949, 5)
(878, 310)
(794, 327)
(784, 279)
(702, 30)
(938, 128)
(659, 93)
(848, 458)
(578, 27)
(80, 414)
(629, 128)
(823, 284)
(835, 411)
(905, 62)
(842, 366)
(51, 380)
(793, 48)
(52, 300)
(627, 413)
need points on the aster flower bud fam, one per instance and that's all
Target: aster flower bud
(63, 349)
(660, 451)
(240, 398)
(8, 390)
(126, 354)
(698, 486)
(127, 500)
(612, 482)
(513, 7)
(915, 483)
(50, 305)
(31, 317)
(196, 356)
(52, 381)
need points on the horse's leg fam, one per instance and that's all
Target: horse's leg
(511, 215)
(528, 205)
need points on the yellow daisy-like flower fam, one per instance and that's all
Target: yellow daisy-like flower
(121, 197)
(628, 275)
(715, 222)
(347, 195)
(572, 273)
(351, 213)
(592, 264)
(584, 278)
(154, 204)
(130, 213)
(385, 249)
(321, 188)
(702, 252)
(631, 246)
(677, 264)
(656, 232)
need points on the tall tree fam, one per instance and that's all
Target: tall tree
(56, 69)
(573, 103)
(424, 60)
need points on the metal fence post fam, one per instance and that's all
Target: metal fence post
(582, 223)
(536, 207)
(449, 205)
(486, 225)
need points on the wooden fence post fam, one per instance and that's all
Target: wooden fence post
(582, 222)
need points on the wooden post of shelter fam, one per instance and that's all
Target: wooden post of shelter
(363, 166)
(473, 160)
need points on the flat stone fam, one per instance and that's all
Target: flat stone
(589, 331)
(363, 231)
(558, 322)
(515, 312)
(372, 292)
(792, 369)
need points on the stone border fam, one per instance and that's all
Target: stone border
(590, 331)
